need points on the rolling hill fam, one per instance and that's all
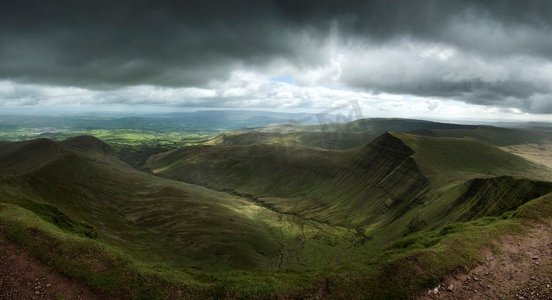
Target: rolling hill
(343, 136)
(158, 219)
(272, 214)
(374, 183)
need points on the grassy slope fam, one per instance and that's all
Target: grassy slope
(254, 169)
(410, 265)
(325, 136)
(446, 159)
(357, 133)
(167, 222)
(421, 254)
(397, 185)
(307, 137)
(354, 186)
(495, 135)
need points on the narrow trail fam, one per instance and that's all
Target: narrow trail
(24, 277)
(521, 269)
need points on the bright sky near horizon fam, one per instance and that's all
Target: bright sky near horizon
(439, 59)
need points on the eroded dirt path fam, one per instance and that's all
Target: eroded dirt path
(24, 277)
(522, 269)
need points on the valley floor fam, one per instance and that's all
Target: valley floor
(24, 277)
(519, 268)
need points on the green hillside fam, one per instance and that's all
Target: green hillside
(339, 136)
(251, 169)
(164, 221)
(443, 158)
(371, 184)
(271, 219)
(357, 133)
(304, 136)
(495, 135)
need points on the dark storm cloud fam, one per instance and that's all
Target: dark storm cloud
(110, 44)
(101, 42)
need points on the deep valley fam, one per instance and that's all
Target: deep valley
(287, 211)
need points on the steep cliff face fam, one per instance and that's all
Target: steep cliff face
(378, 184)
(494, 196)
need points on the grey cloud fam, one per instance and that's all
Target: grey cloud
(440, 70)
(118, 43)
(112, 44)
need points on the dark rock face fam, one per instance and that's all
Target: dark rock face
(494, 196)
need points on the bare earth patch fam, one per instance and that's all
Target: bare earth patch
(24, 277)
(521, 269)
(537, 153)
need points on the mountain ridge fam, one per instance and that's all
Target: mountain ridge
(273, 212)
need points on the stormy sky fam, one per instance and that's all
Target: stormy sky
(404, 58)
